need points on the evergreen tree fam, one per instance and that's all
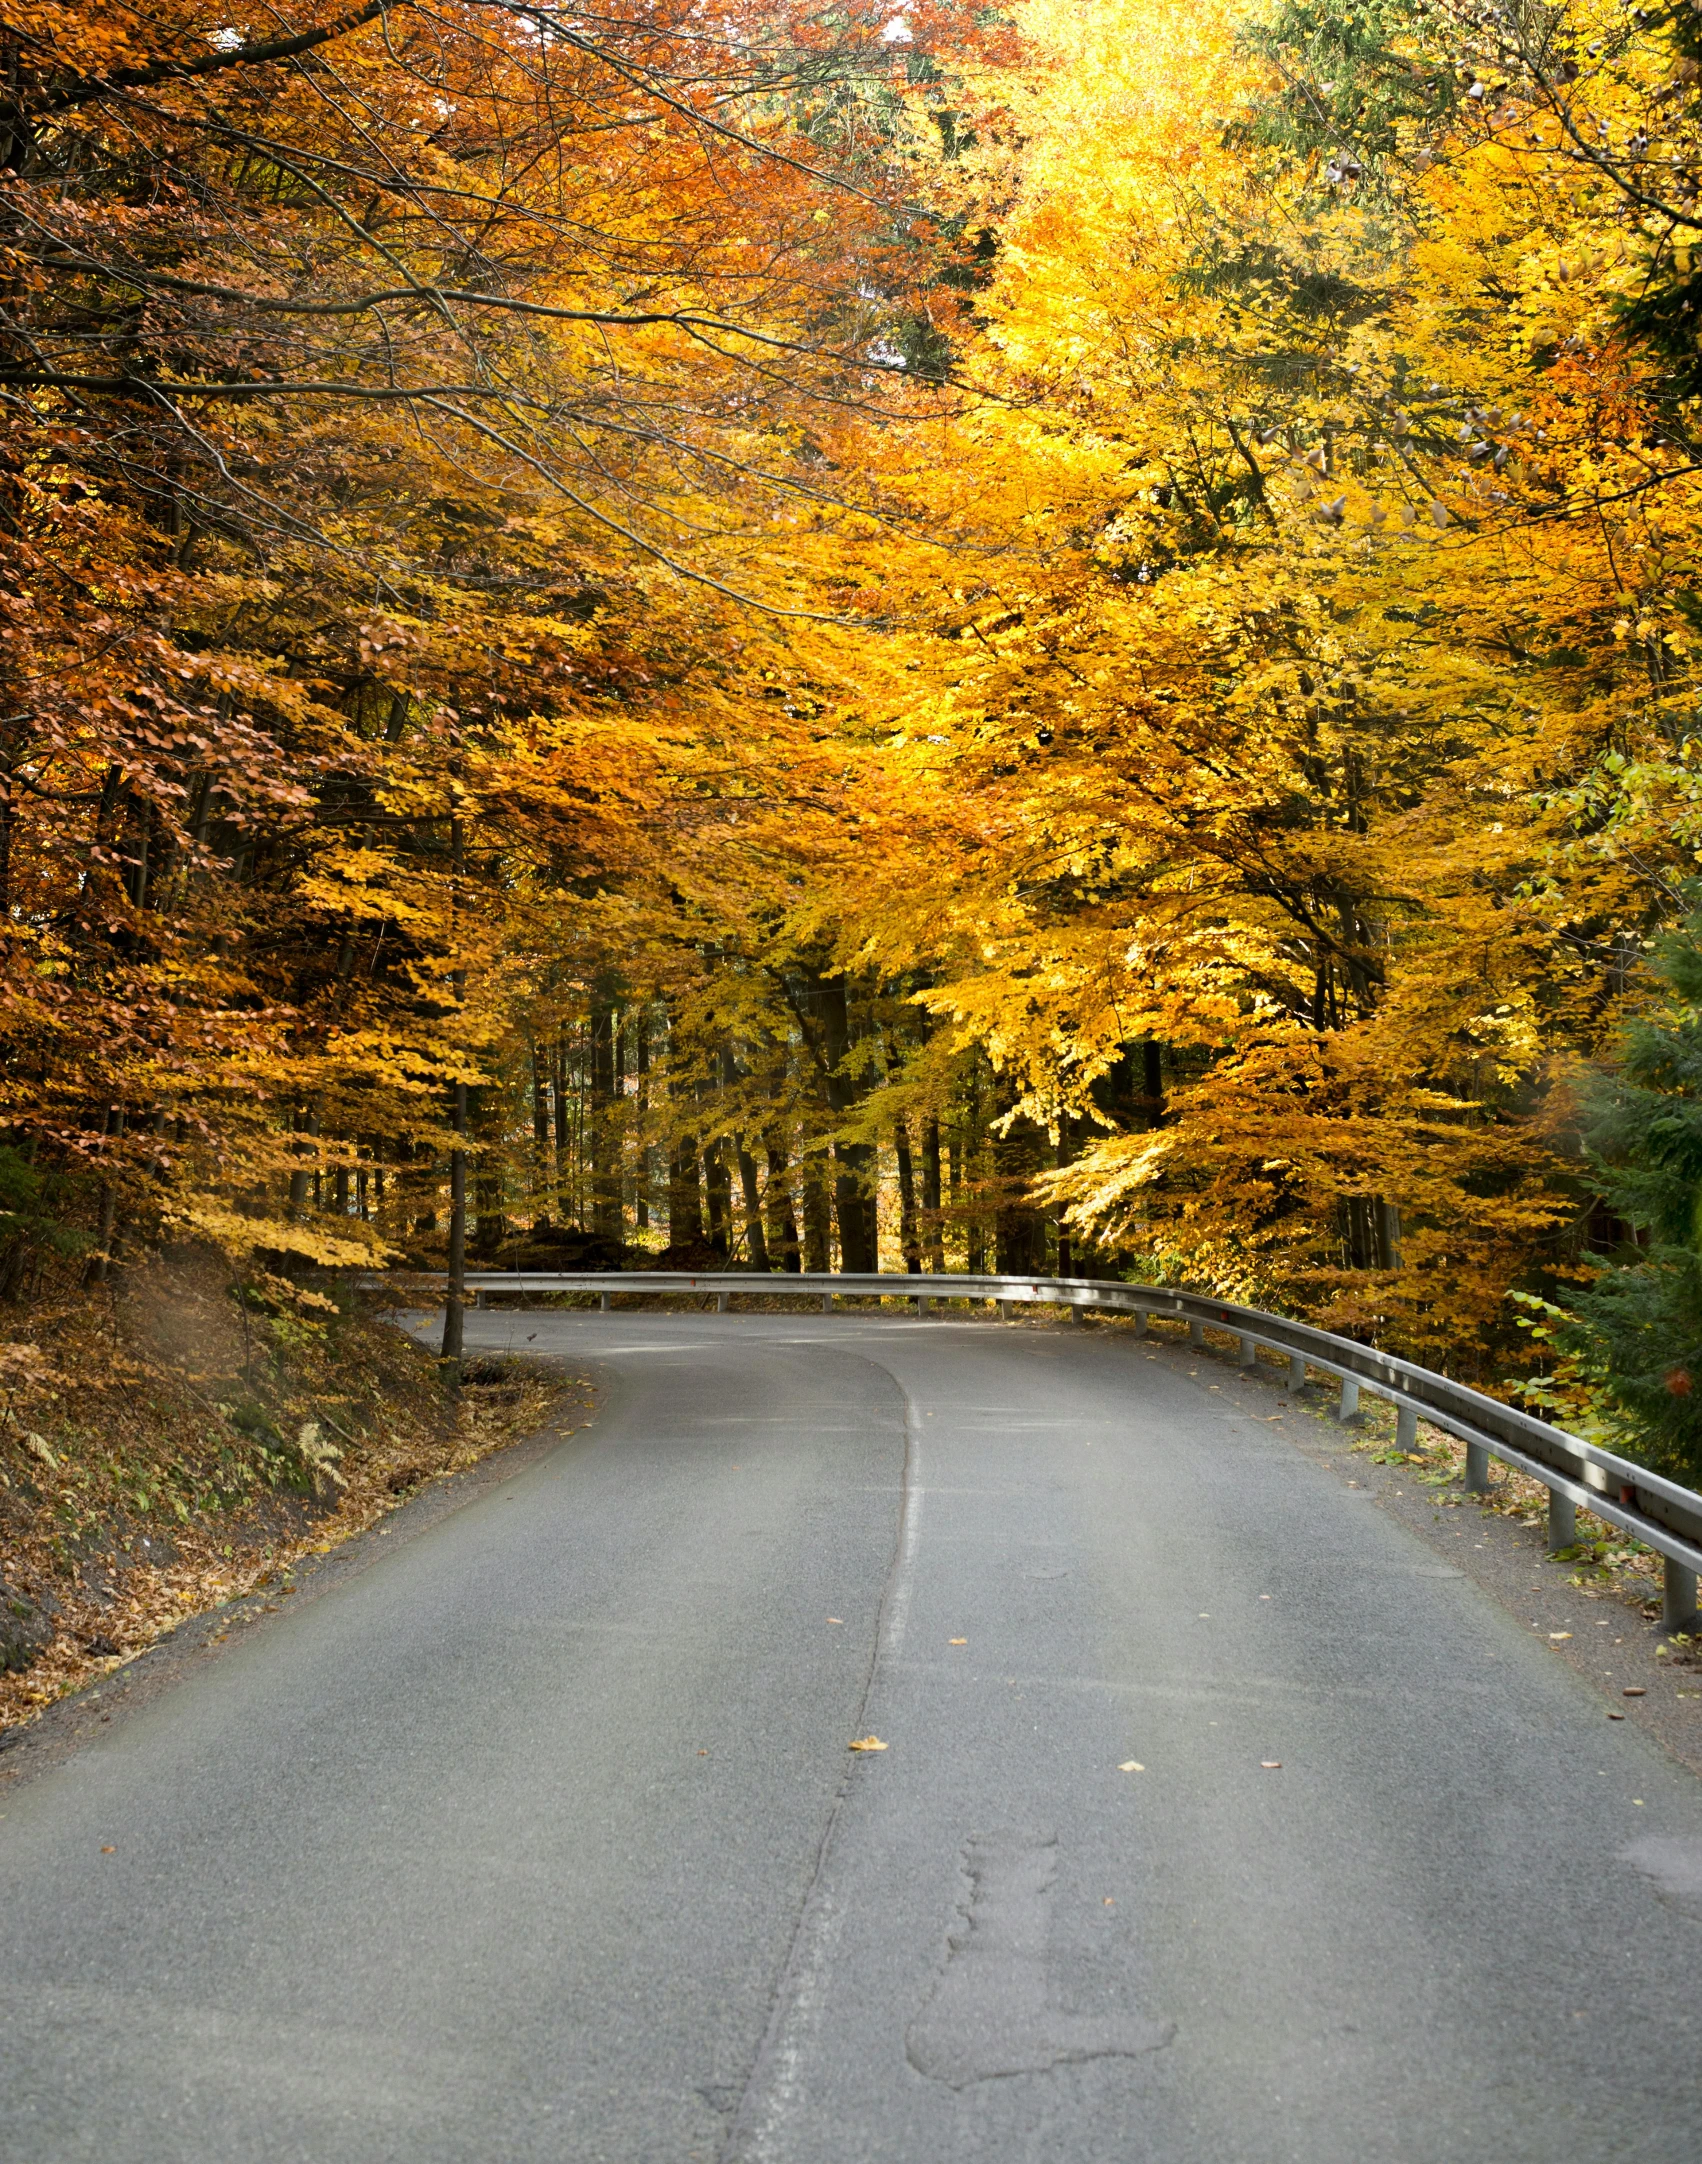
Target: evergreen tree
(1639, 1326)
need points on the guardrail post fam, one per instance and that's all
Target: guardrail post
(606, 1301)
(1406, 1427)
(478, 1296)
(1562, 1520)
(721, 1299)
(1477, 1468)
(1678, 1597)
(1196, 1333)
(1140, 1322)
(1297, 1371)
(1004, 1310)
(1078, 1312)
(921, 1304)
(1348, 1409)
(1247, 1352)
(827, 1303)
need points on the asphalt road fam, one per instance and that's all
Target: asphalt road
(540, 1839)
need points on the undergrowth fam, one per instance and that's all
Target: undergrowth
(181, 1437)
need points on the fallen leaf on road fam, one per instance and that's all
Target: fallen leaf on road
(1131, 1765)
(1616, 1716)
(868, 1743)
(1271, 1765)
(1556, 1636)
(109, 1852)
(1634, 1690)
(957, 1641)
(836, 1619)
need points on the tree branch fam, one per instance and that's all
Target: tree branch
(89, 87)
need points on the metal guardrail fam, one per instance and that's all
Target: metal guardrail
(1656, 1511)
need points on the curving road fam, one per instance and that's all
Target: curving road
(540, 1839)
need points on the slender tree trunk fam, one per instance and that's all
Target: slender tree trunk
(455, 1293)
(101, 1267)
(852, 1161)
(1019, 1231)
(490, 1218)
(755, 1243)
(907, 1239)
(605, 1176)
(641, 1067)
(685, 1204)
(541, 1181)
(782, 1225)
(933, 1229)
(306, 1123)
(1066, 1251)
(969, 1152)
(718, 1194)
(454, 1322)
(540, 1105)
(818, 1223)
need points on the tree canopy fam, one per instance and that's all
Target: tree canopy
(1060, 639)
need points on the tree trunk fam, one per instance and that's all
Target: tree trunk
(966, 1177)
(756, 1245)
(1019, 1229)
(641, 1068)
(933, 1228)
(605, 1174)
(100, 1267)
(909, 1245)
(454, 1329)
(306, 1123)
(818, 1230)
(490, 1223)
(454, 1326)
(852, 1161)
(718, 1191)
(685, 1196)
(1066, 1254)
(782, 1225)
(540, 1109)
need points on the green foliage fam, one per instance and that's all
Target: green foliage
(1636, 1332)
(1352, 76)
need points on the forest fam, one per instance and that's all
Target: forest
(1055, 637)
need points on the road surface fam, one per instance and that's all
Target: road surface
(1219, 1822)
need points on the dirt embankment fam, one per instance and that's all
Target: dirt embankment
(181, 1436)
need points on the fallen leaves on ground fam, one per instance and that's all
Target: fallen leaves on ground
(867, 1743)
(155, 1541)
